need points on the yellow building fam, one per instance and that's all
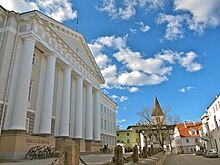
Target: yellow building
(129, 137)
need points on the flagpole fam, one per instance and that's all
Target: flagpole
(77, 23)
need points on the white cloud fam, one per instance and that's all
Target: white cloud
(135, 61)
(205, 13)
(133, 89)
(121, 99)
(19, 5)
(188, 62)
(133, 31)
(202, 10)
(136, 69)
(128, 8)
(186, 89)
(174, 29)
(60, 10)
(144, 28)
(139, 79)
(121, 121)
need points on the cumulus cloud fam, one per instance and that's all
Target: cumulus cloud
(127, 9)
(174, 29)
(59, 10)
(186, 89)
(188, 62)
(205, 13)
(134, 69)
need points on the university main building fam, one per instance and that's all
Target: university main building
(49, 87)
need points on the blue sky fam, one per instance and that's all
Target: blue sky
(147, 47)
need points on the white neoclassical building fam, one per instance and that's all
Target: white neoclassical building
(49, 86)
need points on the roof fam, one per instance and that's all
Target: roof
(157, 111)
(184, 131)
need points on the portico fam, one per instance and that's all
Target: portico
(54, 87)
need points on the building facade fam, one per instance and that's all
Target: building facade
(49, 86)
(211, 125)
(187, 137)
(108, 121)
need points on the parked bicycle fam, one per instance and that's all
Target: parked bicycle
(40, 152)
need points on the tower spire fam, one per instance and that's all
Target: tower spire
(157, 111)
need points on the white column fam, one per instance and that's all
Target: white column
(79, 111)
(47, 103)
(89, 114)
(97, 118)
(19, 109)
(142, 140)
(65, 105)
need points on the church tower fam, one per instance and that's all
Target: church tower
(157, 113)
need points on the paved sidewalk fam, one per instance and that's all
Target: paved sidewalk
(93, 159)
(150, 160)
(29, 162)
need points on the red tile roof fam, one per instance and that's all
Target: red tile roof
(184, 131)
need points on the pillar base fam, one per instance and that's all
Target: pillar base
(60, 141)
(14, 144)
(81, 143)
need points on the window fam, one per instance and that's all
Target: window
(128, 140)
(105, 124)
(127, 134)
(117, 134)
(216, 124)
(30, 90)
(187, 140)
(101, 123)
(196, 140)
(34, 59)
(27, 124)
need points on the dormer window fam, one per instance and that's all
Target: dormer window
(192, 131)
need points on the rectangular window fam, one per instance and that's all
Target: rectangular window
(101, 123)
(105, 124)
(30, 90)
(34, 59)
(27, 124)
(187, 140)
(128, 140)
(196, 140)
(127, 134)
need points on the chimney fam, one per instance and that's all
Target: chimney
(185, 124)
(194, 123)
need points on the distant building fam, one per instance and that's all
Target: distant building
(187, 137)
(211, 125)
(49, 87)
(144, 134)
(129, 137)
(108, 121)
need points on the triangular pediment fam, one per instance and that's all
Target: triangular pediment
(77, 45)
(75, 41)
